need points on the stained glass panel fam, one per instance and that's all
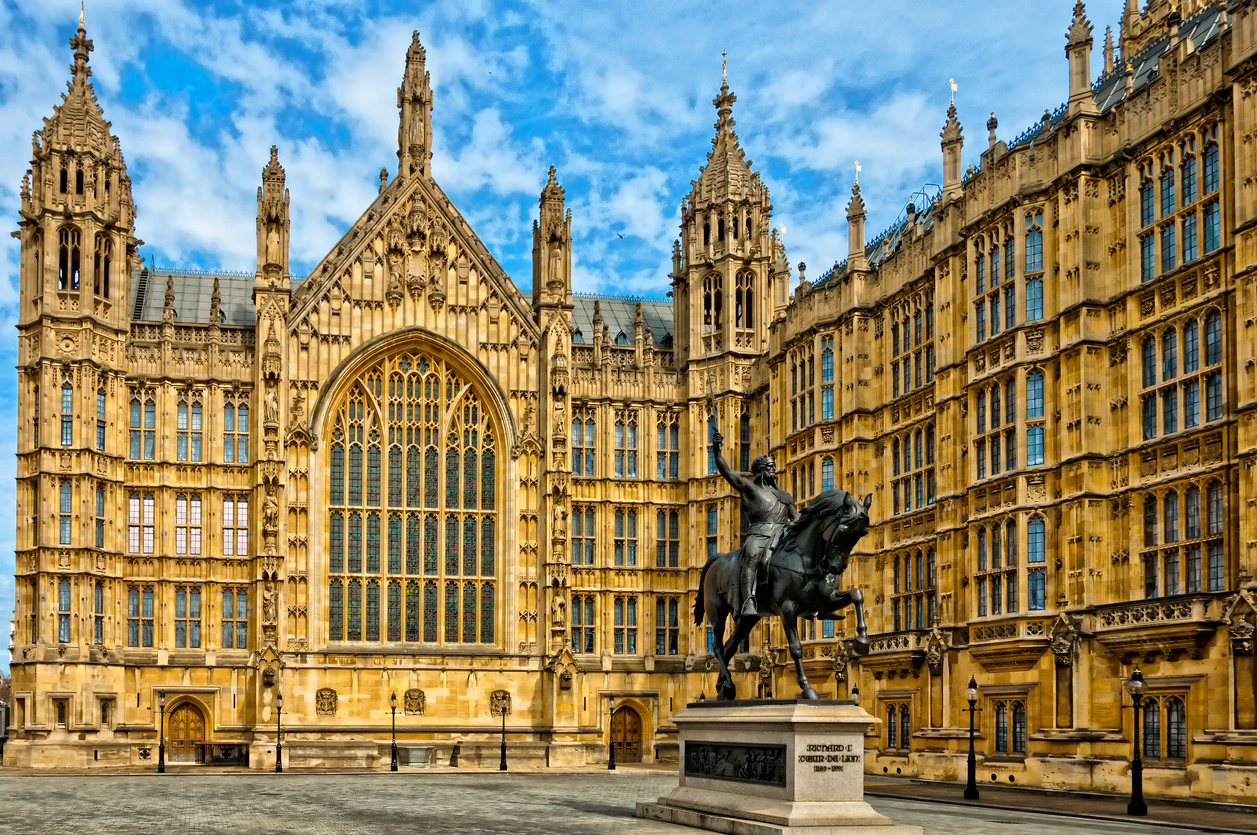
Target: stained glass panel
(373, 474)
(354, 632)
(414, 547)
(469, 479)
(335, 612)
(414, 477)
(486, 546)
(336, 538)
(487, 477)
(469, 546)
(451, 474)
(355, 475)
(338, 474)
(451, 545)
(451, 612)
(469, 613)
(373, 543)
(394, 611)
(486, 613)
(412, 611)
(355, 543)
(429, 610)
(430, 478)
(394, 543)
(395, 476)
(429, 544)
(373, 610)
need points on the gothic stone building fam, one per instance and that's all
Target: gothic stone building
(402, 475)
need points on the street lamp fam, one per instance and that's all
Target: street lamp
(161, 744)
(279, 733)
(611, 736)
(1136, 807)
(971, 790)
(392, 700)
(500, 705)
(855, 693)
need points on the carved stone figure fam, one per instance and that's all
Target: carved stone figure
(558, 614)
(270, 514)
(559, 528)
(270, 405)
(272, 246)
(270, 603)
(325, 702)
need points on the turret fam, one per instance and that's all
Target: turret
(272, 224)
(552, 247)
(953, 141)
(414, 100)
(1078, 51)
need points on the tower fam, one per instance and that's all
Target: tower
(722, 275)
(77, 249)
(1078, 50)
(414, 100)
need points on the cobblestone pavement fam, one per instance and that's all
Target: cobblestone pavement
(449, 803)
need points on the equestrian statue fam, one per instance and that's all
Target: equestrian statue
(789, 566)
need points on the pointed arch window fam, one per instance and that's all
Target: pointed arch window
(69, 258)
(102, 265)
(413, 494)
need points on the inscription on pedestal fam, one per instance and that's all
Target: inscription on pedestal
(764, 764)
(832, 757)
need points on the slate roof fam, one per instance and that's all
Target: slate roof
(618, 315)
(192, 296)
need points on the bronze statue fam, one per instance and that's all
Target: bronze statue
(768, 509)
(802, 557)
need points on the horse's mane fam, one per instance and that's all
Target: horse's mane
(826, 504)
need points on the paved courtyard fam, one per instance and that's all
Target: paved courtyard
(449, 803)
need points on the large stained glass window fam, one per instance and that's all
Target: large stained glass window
(412, 524)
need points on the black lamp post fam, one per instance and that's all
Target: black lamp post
(1137, 807)
(279, 733)
(611, 735)
(500, 705)
(161, 744)
(971, 789)
(392, 700)
(855, 693)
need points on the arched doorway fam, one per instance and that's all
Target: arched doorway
(626, 735)
(186, 734)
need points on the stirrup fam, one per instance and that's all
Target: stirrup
(749, 604)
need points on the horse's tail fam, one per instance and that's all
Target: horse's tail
(699, 612)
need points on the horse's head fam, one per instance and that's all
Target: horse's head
(839, 521)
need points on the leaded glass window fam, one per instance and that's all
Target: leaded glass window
(388, 436)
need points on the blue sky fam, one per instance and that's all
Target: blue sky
(616, 96)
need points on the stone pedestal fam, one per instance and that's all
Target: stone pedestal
(773, 767)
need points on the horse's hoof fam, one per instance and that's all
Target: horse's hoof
(861, 645)
(810, 694)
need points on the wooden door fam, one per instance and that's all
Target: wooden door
(186, 734)
(626, 735)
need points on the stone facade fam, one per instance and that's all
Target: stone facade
(401, 474)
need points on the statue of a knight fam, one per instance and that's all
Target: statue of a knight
(768, 509)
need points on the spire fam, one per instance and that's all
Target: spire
(1079, 27)
(414, 100)
(856, 260)
(991, 124)
(552, 244)
(82, 48)
(724, 114)
(272, 220)
(1108, 49)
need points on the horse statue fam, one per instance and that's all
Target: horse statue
(802, 580)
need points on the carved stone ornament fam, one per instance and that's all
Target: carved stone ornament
(414, 702)
(325, 702)
(935, 650)
(1063, 638)
(500, 703)
(1239, 616)
(841, 657)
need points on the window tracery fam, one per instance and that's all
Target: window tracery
(413, 502)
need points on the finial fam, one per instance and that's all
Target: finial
(952, 82)
(724, 66)
(858, 169)
(82, 5)
(782, 227)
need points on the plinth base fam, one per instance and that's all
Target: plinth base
(773, 767)
(661, 811)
